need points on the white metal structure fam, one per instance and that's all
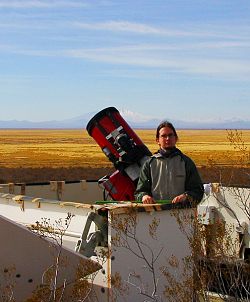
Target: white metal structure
(156, 237)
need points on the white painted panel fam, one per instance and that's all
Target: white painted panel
(25, 256)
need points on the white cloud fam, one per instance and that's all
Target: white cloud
(19, 4)
(143, 56)
(145, 29)
(139, 28)
(153, 57)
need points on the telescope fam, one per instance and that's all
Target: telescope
(123, 148)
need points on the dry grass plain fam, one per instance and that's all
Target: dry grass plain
(38, 155)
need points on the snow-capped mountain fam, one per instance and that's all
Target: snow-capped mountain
(134, 116)
(134, 119)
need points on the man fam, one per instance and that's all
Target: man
(169, 174)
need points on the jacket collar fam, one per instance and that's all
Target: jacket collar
(171, 152)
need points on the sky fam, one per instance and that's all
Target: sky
(174, 59)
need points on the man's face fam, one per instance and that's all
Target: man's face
(167, 138)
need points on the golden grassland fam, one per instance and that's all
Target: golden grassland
(75, 148)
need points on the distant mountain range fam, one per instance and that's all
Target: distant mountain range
(135, 120)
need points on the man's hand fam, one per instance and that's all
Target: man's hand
(147, 199)
(180, 198)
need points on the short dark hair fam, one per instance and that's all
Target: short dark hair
(165, 124)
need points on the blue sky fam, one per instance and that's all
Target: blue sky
(175, 59)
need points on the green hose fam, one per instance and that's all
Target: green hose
(117, 202)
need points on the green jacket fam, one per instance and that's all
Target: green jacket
(165, 176)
